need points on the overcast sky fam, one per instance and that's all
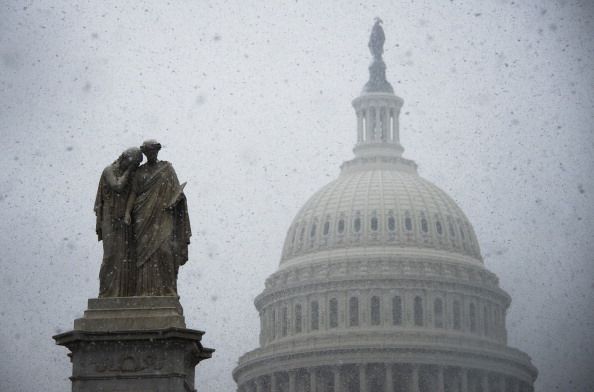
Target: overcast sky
(252, 103)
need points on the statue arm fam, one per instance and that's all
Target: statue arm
(131, 199)
(129, 206)
(116, 183)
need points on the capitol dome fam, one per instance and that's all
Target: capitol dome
(376, 209)
(381, 286)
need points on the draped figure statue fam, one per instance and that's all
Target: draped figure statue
(377, 39)
(117, 274)
(158, 214)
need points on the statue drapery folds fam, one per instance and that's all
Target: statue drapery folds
(161, 228)
(117, 268)
(153, 230)
(377, 39)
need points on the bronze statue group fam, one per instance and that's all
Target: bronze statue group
(142, 214)
(142, 219)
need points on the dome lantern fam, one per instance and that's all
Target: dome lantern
(378, 108)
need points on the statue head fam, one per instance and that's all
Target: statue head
(150, 148)
(131, 156)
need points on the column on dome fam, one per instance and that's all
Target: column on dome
(290, 327)
(272, 329)
(273, 383)
(408, 305)
(307, 316)
(337, 379)
(485, 381)
(359, 127)
(493, 330)
(259, 382)
(269, 324)
(292, 380)
(463, 380)
(440, 379)
(529, 387)
(363, 378)
(323, 314)
(501, 380)
(482, 319)
(389, 377)
(365, 124)
(503, 329)
(386, 124)
(377, 125)
(266, 323)
(389, 133)
(381, 124)
(396, 125)
(516, 385)
(465, 311)
(262, 336)
(391, 123)
(448, 317)
(368, 124)
(343, 310)
(313, 380)
(386, 309)
(414, 379)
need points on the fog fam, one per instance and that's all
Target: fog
(252, 103)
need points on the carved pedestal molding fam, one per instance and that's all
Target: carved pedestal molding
(133, 344)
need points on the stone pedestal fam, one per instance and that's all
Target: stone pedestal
(133, 344)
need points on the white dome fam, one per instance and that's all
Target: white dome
(381, 284)
(385, 206)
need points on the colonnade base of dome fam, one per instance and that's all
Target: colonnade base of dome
(385, 378)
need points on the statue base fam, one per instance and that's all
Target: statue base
(133, 344)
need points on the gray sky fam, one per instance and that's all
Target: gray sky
(251, 101)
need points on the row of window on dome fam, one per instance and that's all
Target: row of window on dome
(453, 314)
(450, 232)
